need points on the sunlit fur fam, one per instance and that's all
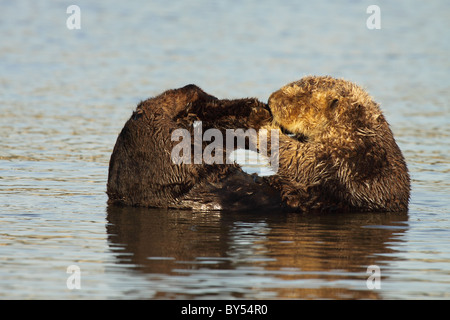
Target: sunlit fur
(348, 159)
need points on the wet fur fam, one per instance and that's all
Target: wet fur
(141, 171)
(336, 153)
(348, 159)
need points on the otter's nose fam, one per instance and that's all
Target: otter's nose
(267, 107)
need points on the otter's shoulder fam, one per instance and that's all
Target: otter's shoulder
(173, 101)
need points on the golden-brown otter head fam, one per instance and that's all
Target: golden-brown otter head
(350, 153)
(318, 106)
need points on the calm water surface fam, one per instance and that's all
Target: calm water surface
(65, 95)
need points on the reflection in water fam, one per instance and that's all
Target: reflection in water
(225, 255)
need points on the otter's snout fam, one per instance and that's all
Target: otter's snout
(274, 103)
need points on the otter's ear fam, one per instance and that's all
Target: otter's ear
(333, 104)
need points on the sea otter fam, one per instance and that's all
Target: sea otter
(337, 152)
(143, 173)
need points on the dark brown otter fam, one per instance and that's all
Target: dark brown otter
(141, 170)
(346, 158)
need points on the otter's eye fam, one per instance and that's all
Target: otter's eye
(334, 103)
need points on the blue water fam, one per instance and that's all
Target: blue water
(66, 94)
